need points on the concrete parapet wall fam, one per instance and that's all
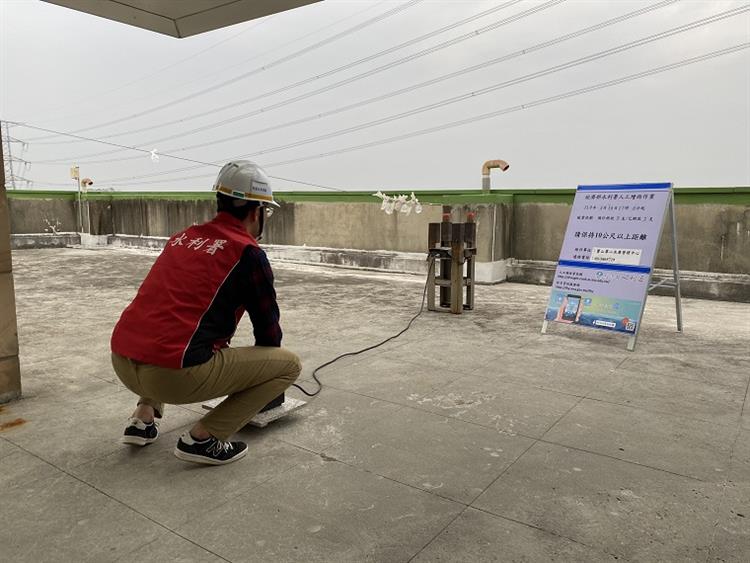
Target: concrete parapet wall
(342, 225)
(700, 285)
(521, 227)
(361, 226)
(44, 240)
(711, 237)
(48, 215)
(160, 218)
(399, 262)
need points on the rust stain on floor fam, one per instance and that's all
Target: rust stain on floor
(12, 424)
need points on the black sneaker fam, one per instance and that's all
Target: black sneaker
(139, 433)
(211, 451)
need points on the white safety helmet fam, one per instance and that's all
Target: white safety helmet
(246, 180)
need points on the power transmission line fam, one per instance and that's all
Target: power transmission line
(347, 81)
(292, 180)
(103, 142)
(469, 95)
(199, 162)
(256, 70)
(505, 84)
(315, 78)
(86, 99)
(528, 105)
(392, 94)
(222, 70)
(493, 114)
(313, 184)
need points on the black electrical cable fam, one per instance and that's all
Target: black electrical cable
(337, 358)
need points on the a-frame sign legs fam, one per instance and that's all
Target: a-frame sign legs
(674, 283)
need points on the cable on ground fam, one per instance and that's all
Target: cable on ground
(337, 358)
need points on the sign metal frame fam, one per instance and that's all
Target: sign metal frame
(651, 284)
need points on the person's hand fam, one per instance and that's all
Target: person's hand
(559, 316)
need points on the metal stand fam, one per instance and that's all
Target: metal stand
(452, 245)
(674, 282)
(80, 213)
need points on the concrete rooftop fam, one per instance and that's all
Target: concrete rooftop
(470, 438)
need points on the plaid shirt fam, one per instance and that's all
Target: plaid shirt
(261, 303)
(190, 303)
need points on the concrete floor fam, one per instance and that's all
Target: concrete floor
(470, 438)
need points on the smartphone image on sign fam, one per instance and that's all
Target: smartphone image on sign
(572, 306)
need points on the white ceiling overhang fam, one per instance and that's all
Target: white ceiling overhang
(181, 18)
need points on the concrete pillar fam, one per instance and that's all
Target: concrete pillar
(493, 242)
(10, 373)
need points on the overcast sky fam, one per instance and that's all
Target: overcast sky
(68, 71)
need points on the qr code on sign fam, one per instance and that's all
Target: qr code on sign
(630, 326)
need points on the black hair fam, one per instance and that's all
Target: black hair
(237, 208)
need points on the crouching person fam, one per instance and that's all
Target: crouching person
(171, 344)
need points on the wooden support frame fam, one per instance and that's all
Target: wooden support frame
(453, 247)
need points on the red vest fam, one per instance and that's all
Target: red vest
(158, 326)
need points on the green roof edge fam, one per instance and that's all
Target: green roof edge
(705, 195)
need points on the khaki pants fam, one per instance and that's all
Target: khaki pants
(251, 377)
